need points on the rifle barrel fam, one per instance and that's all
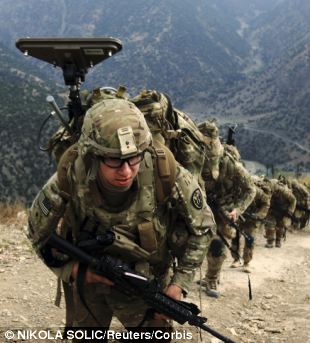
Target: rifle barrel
(216, 334)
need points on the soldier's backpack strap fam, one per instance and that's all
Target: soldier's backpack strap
(165, 167)
(65, 163)
(65, 187)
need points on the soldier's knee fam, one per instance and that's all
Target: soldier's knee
(249, 243)
(216, 248)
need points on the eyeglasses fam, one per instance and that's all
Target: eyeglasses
(118, 163)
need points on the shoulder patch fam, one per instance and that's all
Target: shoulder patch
(197, 199)
(44, 204)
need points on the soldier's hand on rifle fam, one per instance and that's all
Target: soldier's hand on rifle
(232, 215)
(287, 222)
(90, 277)
(174, 292)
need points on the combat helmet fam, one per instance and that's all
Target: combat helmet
(284, 181)
(262, 182)
(114, 128)
(155, 106)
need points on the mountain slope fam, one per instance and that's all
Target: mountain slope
(23, 107)
(240, 61)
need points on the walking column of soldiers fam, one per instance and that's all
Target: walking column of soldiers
(146, 171)
(241, 203)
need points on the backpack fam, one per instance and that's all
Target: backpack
(173, 128)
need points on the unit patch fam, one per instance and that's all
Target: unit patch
(197, 199)
(45, 204)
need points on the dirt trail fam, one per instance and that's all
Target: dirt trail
(279, 311)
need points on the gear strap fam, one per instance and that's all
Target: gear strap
(165, 167)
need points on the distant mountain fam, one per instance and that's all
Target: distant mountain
(177, 46)
(271, 103)
(23, 108)
(244, 61)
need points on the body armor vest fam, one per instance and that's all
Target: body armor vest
(141, 220)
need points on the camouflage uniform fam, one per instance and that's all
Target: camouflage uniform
(302, 211)
(233, 189)
(282, 207)
(161, 227)
(252, 219)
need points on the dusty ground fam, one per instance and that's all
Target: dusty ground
(279, 311)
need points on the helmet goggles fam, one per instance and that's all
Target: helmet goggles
(118, 162)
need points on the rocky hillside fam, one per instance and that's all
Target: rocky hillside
(22, 98)
(240, 61)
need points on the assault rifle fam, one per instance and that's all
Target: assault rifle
(214, 206)
(230, 135)
(129, 282)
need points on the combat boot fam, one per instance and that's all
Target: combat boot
(235, 264)
(203, 282)
(246, 268)
(269, 244)
(278, 243)
(211, 289)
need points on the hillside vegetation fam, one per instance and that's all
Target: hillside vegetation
(240, 61)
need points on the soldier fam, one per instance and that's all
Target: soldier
(282, 207)
(115, 178)
(230, 190)
(302, 210)
(252, 219)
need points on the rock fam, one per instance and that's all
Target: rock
(233, 331)
(24, 319)
(273, 330)
(265, 306)
(215, 340)
(6, 313)
(268, 296)
(257, 319)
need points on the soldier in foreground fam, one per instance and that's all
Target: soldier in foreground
(282, 207)
(115, 179)
(230, 190)
(252, 220)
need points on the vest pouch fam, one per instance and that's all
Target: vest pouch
(125, 247)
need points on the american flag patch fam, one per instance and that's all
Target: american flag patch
(44, 204)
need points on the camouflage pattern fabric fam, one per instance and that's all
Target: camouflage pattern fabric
(233, 189)
(282, 207)
(253, 216)
(302, 210)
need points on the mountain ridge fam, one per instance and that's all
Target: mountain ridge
(239, 61)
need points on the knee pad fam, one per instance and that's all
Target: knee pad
(250, 243)
(216, 247)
